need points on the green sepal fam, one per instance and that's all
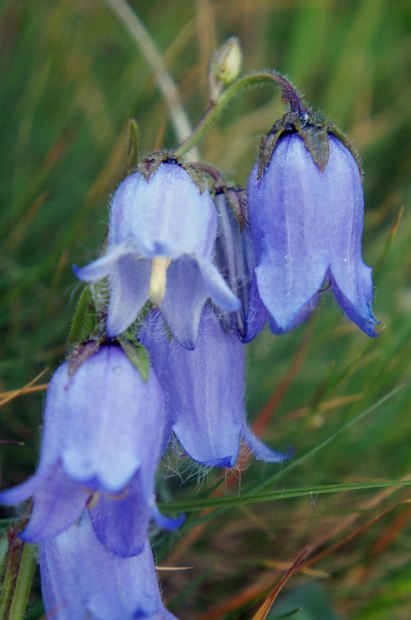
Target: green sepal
(137, 354)
(84, 320)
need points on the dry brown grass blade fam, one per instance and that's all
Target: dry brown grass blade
(263, 418)
(271, 598)
(29, 388)
(253, 592)
(250, 593)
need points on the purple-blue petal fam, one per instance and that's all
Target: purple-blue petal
(234, 257)
(114, 421)
(102, 266)
(57, 503)
(184, 299)
(259, 449)
(167, 523)
(165, 215)
(81, 578)
(204, 389)
(287, 229)
(121, 523)
(216, 288)
(305, 224)
(256, 315)
(129, 290)
(190, 282)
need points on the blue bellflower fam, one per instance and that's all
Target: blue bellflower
(161, 237)
(204, 391)
(235, 259)
(307, 224)
(80, 578)
(104, 429)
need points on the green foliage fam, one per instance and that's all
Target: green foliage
(72, 78)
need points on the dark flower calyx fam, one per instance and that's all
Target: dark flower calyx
(150, 164)
(81, 354)
(315, 132)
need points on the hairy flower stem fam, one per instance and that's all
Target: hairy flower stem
(21, 565)
(289, 93)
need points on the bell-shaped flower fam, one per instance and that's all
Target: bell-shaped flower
(204, 391)
(81, 578)
(104, 430)
(306, 224)
(161, 237)
(235, 259)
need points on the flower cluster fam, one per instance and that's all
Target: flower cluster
(193, 272)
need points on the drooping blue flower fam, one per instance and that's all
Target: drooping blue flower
(204, 391)
(81, 578)
(307, 224)
(104, 429)
(235, 259)
(161, 238)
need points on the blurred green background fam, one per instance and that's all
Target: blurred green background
(71, 78)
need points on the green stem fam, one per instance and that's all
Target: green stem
(23, 583)
(16, 587)
(215, 108)
(189, 505)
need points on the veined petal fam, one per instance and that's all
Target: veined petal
(101, 267)
(355, 296)
(190, 282)
(307, 223)
(216, 288)
(351, 279)
(259, 449)
(184, 299)
(129, 290)
(107, 587)
(256, 316)
(204, 389)
(121, 523)
(165, 215)
(234, 257)
(20, 493)
(302, 314)
(114, 422)
(168, 523)
(286, 210)
(57, 503)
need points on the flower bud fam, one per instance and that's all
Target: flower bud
(225, 66)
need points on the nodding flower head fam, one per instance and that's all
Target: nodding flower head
(104, 432)
(305, 204)
(235, 259)
(204, 391)
(80, 578)
(161, 237)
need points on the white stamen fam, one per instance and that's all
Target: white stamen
(158, 278)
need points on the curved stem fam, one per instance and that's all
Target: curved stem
(289, 93)
(215, 174)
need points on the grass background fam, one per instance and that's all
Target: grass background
(71, 78)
